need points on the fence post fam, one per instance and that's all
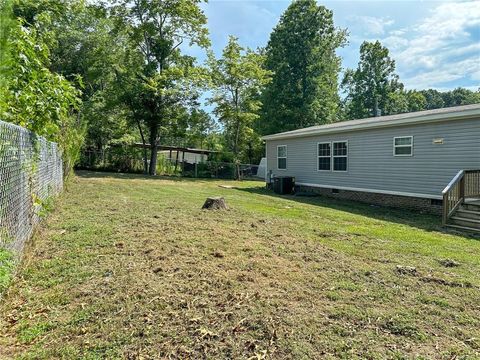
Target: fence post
(196, 168)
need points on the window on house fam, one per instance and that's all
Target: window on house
(340, 155)
(403, 146)
(282, 157)
(324, 156)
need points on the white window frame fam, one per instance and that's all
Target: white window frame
(339, 156)
(283, 157)
(318, 155)
(400, 146)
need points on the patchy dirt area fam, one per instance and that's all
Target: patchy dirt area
(131, 267)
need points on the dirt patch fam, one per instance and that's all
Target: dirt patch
(406, 270)
(448, 263)
(439, 281)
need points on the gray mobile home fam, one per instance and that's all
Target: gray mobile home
(399, 160)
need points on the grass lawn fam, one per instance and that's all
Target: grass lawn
(131, 267)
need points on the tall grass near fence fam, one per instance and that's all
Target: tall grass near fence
(31, 173)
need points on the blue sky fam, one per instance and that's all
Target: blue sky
(436, 44)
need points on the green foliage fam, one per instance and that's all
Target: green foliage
(89, 44)
(158, 82)
(460, 96)
(120, 157)
(33, 96)
(200, 125)
(6, 23)
(433, 99)
(6, 269)
(44, 207)
(238, 78)
(402, 101)
(167, 167)
(301, 54)
(374, 85)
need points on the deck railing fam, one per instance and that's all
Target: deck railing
(464, 185)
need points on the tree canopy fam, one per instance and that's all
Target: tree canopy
(374, 85)
(301, 54)
(159, 79)
(238, 78)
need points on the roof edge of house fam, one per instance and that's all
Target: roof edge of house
(419, 117)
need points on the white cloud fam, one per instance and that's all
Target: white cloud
(439, 49)
(395, 42)
(445, 73)
(372, 25)
(399, 32)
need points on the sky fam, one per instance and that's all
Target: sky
(436, 44)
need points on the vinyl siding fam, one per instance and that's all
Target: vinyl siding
(372, 165)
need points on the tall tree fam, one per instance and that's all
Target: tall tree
(238, 78)
(372, 85)
(301, 54)
(161, 80)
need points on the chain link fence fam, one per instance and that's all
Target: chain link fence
(30, 174)
(125, 159)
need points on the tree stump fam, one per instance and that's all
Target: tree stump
(215, 203)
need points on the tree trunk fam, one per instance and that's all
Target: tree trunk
(145, 152)
(153, 150)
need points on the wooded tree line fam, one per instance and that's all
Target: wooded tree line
(101, 74)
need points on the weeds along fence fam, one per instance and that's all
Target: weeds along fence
(31, 173)
(131, 160)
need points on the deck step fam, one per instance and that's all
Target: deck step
(464, 228)
(468, 214)
(470, 207)
(470, 223)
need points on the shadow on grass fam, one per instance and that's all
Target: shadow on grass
(417, 219)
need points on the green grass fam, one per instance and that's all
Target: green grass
(6, 269)
(131, 267)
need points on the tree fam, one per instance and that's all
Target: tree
(433, 99)
(89, 44)
(238, 78)
(460, 96)
(33, 96)
(161, 82)
(301, 55)
(371, 87)
(200, 125)
(405, 101)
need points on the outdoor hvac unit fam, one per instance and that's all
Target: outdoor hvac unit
(283, 184)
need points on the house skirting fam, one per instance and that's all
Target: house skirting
(427, 205)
